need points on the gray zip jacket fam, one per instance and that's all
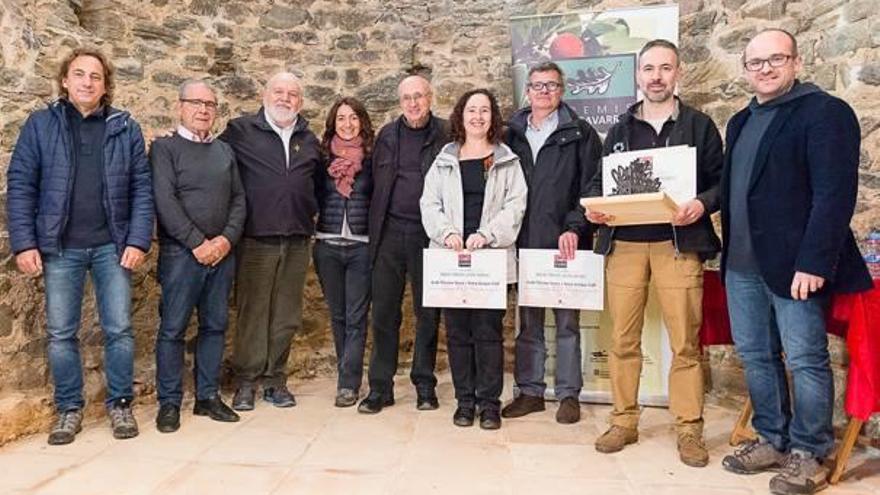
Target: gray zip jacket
(504, 203)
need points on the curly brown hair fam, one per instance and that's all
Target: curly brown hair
(456, 119)
(88, 51)
(366, 134)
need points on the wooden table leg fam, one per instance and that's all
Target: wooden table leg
(845, 449)
(742, 430)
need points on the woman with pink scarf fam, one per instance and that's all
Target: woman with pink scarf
(343, 188)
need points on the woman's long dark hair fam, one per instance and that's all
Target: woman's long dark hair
(366, 125)
(456, 120)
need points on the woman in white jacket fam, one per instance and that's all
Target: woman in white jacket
(474, 198)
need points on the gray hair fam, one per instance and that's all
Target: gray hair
(185, 85)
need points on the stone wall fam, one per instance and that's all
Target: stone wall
(360, 48)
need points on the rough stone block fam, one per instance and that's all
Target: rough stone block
(734, 39)
(764, 9)
(845, 39)
(166, 35)
(870, 73)
(279, 17)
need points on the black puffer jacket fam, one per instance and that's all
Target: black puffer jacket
(332, 206)
(560, 178)
(692, 128)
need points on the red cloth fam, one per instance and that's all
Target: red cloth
(716, 322)
(853, 316)
(863, 343)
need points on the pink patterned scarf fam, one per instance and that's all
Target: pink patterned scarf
(347, 162)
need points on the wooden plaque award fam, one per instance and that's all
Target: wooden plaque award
(634, 209)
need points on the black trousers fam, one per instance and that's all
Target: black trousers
(476, 355)
(344, 273)
(399, 257)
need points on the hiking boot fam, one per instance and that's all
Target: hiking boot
(279, 396)
(346, 397)
(67, 425)
(801, 473)
(522, 405)
(691, 449)
(122, 420)
(754, 457)
(244, 397)
(616, 438)
(569, 411)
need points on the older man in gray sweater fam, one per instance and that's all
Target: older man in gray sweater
(201, 207)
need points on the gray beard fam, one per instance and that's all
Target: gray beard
(280, 114)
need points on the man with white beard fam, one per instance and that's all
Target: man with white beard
(277, 157)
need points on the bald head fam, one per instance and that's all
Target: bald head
(415, 95)
(282, 98)
(775, 37)
(771, 64)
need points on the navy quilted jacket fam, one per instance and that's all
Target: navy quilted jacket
(40, 182)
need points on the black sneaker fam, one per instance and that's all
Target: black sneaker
(244, 397)
(122, 419)
(67, 425)
(168, 418)
(490, 419)
(374, 403)
(279, 396)
(215, 409)
(464, 416)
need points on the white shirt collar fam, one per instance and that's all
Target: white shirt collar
(191, 136)
(551, 121)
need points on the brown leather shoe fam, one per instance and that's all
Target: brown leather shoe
(569, 411)
(522, 405)
(691, 449)
(616, 438)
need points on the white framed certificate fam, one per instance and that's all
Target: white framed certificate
(672, 170)
(464, 279)
(546, 280)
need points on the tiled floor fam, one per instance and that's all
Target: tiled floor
(317, 448)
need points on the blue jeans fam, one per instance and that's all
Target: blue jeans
(65, 276)
(531, 353)
(764, 325)
(186, 285)
(344, 272)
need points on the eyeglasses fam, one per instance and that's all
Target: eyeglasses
(540, 86)
(412, 98)
(209, 105)
(775, 60)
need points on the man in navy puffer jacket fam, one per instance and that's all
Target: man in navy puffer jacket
(79, 199)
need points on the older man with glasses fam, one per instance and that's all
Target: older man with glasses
(404, 151)
(788, 193)
(201, 208)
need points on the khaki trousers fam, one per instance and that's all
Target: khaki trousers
(678, 281)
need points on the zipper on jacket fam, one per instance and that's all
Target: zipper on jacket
(675, 242)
